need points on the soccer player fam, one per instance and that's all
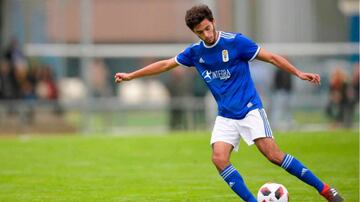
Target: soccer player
(222, 60)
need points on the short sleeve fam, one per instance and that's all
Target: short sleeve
(185, 58)
(247, 48)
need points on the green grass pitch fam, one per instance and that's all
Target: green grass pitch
(174, 167)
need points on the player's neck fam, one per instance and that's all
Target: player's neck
(215, 40)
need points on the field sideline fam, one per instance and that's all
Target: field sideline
(175, 167)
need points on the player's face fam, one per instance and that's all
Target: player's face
(206, 31)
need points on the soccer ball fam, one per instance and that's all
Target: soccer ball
(273, 192)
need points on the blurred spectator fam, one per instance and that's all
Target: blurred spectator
(26, 80)
(341, 94)
(199, 91)
(17, 71)
(21, 85)
(17, 62)
(46, 88)
(7, 81)
(98, 79)
(355, 83)
(14, 55)
(179, 86)
(281, 114)
(263, 82)
(8, 87)
(353, 93)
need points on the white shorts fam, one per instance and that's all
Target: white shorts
(255, 125)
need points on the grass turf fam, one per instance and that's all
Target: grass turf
(175, 167)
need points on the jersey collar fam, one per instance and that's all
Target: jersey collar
(216, 42)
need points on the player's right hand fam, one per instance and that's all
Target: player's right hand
(311, 77)
(119, 77)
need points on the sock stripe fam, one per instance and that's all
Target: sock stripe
(288, 164)
(287, 161)
(227, 175)
(227, 172)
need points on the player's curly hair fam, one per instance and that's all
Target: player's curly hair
(197, 14)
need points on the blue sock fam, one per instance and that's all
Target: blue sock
(294, 167)
(236, 183)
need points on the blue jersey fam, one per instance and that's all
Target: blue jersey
(224, 66)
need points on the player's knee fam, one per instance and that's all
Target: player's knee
(220, 161)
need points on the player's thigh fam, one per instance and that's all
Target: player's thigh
(226, 132)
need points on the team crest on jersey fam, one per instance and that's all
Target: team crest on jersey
(225, 55)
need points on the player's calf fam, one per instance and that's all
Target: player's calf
(275, 157)
(296, 168)
(270, 150)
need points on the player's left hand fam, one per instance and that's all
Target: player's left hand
(119, 77)
(311, 77)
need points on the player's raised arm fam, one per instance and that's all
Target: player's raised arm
(152, 69)
(285, 65)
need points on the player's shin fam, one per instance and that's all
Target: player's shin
(236, 183)
(296, 168)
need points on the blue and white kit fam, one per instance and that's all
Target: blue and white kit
(224, 66)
